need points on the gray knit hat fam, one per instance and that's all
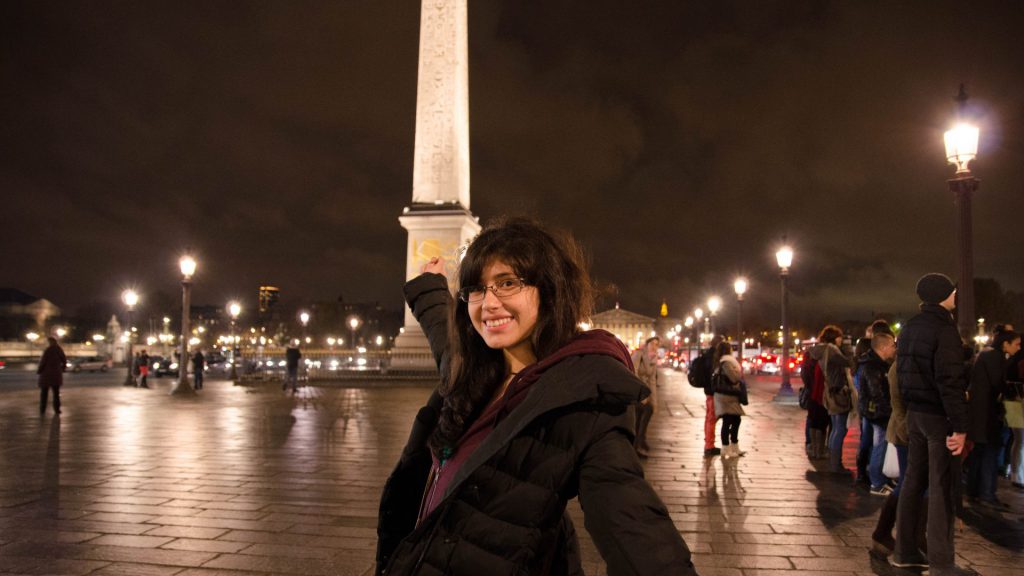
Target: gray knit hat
(934, 288)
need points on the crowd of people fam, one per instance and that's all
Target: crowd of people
(945, 413)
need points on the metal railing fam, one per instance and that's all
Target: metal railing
(326, 364)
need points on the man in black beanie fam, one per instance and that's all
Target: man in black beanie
(933, 384)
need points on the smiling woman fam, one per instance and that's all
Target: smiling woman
(531, 412)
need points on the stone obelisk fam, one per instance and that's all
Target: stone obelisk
(438, 220)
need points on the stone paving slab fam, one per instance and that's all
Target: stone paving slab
(250, 480)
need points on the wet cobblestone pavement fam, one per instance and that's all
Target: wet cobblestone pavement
(253, 480)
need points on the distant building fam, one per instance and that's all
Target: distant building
(20, 311)
(630, 327)
(269, 296)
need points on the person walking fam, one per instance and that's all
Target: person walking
(143, 369)
(986, 391)
(291, 364)
(876, 404)
(730, 397)
(198, 366)
(933, 385)
(699, 374)
(51, 374)
(531, 412)
(645, 364)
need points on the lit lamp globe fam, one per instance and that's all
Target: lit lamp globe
(130, 298)
(188, 267)
(961, 146)
(740, 286)
(714, 304)
(234, 309)
(784, 257)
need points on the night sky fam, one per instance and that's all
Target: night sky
(678, 140)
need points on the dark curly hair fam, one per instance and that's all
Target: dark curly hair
(550, 261)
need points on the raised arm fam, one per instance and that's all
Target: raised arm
(628, 522)
(428, 297)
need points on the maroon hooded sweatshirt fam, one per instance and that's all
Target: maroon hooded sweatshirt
(441, 473)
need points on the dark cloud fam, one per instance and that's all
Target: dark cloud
(678, 141)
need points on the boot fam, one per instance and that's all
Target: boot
(835, 463)
(882, 542)
(736, 452)
(817, 444)
(727, 451)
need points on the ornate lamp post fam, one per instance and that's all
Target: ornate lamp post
(187, 264)
(784, 258)
(130, 299)
(688, 323)
(740, 286)
(961, 148)
(714, 305)
(304, 318)
(234, 309)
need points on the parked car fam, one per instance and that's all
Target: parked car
(90, 363)
(166, 367)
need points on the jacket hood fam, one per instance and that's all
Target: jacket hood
(817, 352)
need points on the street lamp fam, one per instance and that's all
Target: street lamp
(740, 286)
(689, 353)
(784, 258)
(187, 264)
(304, 319)
(961, 148)
(234, 309)
(130, 299)
(714, 305)
(353, 324)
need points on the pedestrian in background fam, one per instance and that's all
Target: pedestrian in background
(933, 385)
(1015, 391)
(531, 412)
(876, 404)
(700, 370)
(198, 366)
(143, 369)
(813, 376)
(862, 347)
(291, 364)
(645, 364)
(51, 374)
(986, 392)
(730, 397)
(831, 377)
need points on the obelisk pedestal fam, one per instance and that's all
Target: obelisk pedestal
(438, 221)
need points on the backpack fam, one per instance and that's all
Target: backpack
(700, 372)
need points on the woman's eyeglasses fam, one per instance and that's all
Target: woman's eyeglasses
(502, 289)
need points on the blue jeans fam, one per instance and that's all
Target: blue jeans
(835, 441)
(878, 447)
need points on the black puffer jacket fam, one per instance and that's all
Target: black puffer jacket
(930, 364)
(875, 401)
(988, 383)
(504, 512)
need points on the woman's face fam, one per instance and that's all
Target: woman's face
(505, 323)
